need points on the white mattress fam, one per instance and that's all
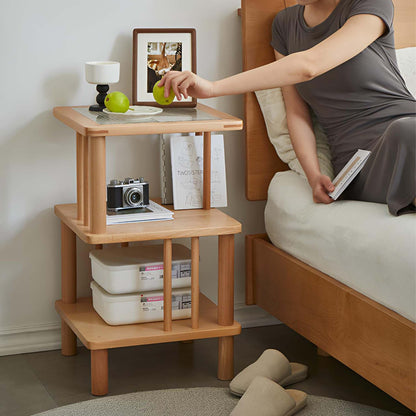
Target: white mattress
(358, 243)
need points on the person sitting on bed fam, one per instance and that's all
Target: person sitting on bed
(336, 57)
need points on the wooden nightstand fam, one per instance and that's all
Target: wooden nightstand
(87, 220)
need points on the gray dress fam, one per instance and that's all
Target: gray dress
(357, 101)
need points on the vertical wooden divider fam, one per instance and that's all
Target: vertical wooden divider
(167, 284)
(86, 173)
(80, 177)
(207, 171)
(96, 247)
(226, 279)
(68, 285)
(68, 265)
(195, 282)
(98, 185)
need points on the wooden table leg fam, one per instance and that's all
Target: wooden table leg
(68, 285)
(98, 186)
(99, 372)
(225, 358)
(206, 195)
(226, 304)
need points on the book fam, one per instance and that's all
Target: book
(349, 172)
(166, 170)
(166, 186)
(151, 212)
(187, 160)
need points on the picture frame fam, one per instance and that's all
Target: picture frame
(157, 51)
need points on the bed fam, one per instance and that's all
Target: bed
(345, 306)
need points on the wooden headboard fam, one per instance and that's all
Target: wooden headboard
(257, 16)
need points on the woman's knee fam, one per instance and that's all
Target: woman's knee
(402, 132)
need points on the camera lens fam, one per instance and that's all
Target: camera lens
(133, 197)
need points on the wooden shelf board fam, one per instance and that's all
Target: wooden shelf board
(186, 223)
(95, 334)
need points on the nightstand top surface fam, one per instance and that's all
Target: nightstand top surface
(171, 120)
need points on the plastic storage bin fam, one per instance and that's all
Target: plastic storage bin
(138, 307)
(139, 268)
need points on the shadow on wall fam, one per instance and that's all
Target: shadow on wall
(122, 51)
(61, 89)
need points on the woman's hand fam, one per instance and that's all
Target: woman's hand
(321, 185)
(186, 84)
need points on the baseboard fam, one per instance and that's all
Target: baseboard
(24, 339)
(251, 316)
(46, 337)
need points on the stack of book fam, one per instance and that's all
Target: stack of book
(151, 212)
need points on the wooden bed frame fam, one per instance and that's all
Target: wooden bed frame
(372, 340)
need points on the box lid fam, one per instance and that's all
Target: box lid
(130, 257)
(135, 297)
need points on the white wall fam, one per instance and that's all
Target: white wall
(42, 50)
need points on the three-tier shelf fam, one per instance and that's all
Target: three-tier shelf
(87, 220)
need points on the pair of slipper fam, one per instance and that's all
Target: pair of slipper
(262, 383)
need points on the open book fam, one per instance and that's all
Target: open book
(349, 172)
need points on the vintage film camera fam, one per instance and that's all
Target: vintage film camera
(128, 194)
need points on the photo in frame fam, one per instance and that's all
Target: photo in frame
(157, 51)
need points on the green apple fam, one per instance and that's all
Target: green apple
(159, 95)
(117, 102)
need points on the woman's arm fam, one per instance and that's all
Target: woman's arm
(303, 140)
(354, 36)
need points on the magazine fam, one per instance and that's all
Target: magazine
(349, 172)
(187, 171)
(151, 212)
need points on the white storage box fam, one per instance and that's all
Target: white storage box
(139, 268)
(139, 307)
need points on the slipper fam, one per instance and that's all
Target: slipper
(266, 398)
(273, 365)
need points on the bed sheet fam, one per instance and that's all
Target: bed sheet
(358, 243)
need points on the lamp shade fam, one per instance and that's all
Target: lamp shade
(102, 72)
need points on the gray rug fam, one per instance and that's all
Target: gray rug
(200, 401)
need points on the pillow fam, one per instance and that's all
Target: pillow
(406, 59)
(274, 113)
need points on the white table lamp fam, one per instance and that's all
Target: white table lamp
(102, 73)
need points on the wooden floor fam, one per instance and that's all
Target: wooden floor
(32, 383)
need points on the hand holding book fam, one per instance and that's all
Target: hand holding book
(349, 172)
(321, 185)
